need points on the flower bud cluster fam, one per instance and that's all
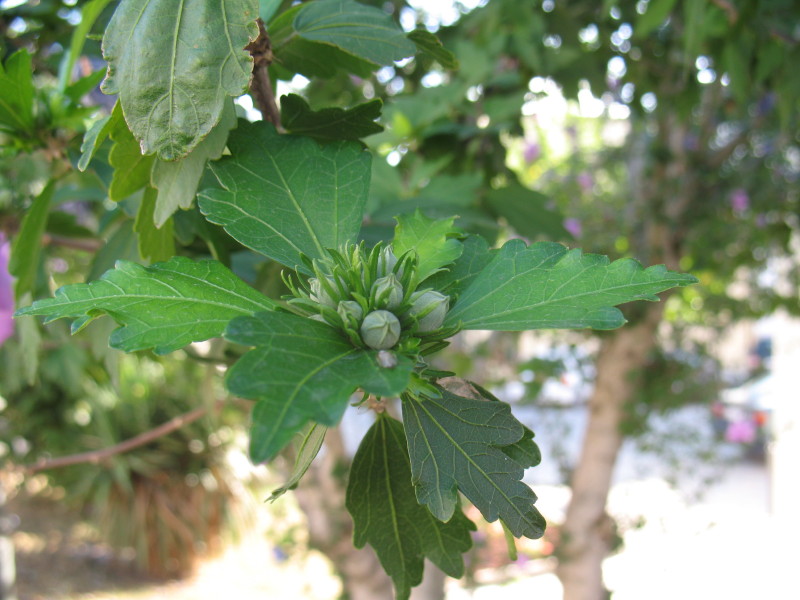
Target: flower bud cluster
(372, 297)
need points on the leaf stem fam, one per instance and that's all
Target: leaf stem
(260, 85)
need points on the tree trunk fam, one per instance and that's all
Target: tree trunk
(588, 532)
(321, 495)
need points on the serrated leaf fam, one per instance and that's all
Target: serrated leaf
(16, 93)
(363, 31)
(164, 306)
(301, 370)
(458, 276)
(177, 180)
(287, 195)
(27, 246)
(455, 443)
(97, 133)
(386, 514)
(545, 286)
(155, 244)
(330, 123)
(174, 63)
(430, 239)
(131, 169)
(431, 45)
(308, 443)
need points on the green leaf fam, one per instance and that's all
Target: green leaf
(431, 45)
(431, 240)
(363, 31)
(89, 13)
(174, 63)
(386, 514)
(164, 306)
(656, 13)
(456, 443)
(177, 180)
(16, 93)
(459, 276)
(305, 450)
(527, 212)
(97, 133)
(301, 370)
(131, 169)
(267, 9)
(27, 246)
(285, 195)
(330, 123)
(545, 286)
(155, 244)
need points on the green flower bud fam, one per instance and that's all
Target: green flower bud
(350, 308)
(320, 294)
(386, 261)
(388, 292)
(430, 308)
(380, 330)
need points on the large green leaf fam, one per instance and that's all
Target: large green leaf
(301, 370)
(330, 123)
(431, 240)
(363, 31)
(177, 180)
(545, 286)
(27, 246)
(455, 443)
(16, 93)
(173, 64)
(387, 515)
(131, 168)
(286, 195)
(459, 276)
(164, 306)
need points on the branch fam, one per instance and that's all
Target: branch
(729, 9)
(261, 86)
(97, 456)
(86, 244)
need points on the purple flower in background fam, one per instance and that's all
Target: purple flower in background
(573, 226)
(740, 201)
(585, 180)
(6, 292)
(531, 152)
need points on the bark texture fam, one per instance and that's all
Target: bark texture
(588, 532)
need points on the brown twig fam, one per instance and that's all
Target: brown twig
(97, 456)
(729, 9)
(261, 86)
(85, 244)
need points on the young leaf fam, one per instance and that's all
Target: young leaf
(301, 370)
(164, 306)
(456, 443)
(386, 513)
(431, 45)
(155, 244)
(544, 286)
(97, 133)
(177, 180)
(430, 239)
(174, 63)
(285, 195)
(330, 123)
(27, 246)
(309, 442)
(131, 169)
(16, 93)
(363, 31)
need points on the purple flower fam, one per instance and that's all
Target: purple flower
(531, 152)
(740, 201)
(573, 226)
(6, 292)
(585, 180)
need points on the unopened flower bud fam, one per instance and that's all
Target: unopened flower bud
(350, 308)
(320, 293)
(380, 330)
(386, 261)
(431, 308)
(388, 292)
